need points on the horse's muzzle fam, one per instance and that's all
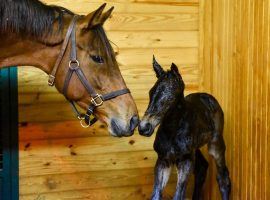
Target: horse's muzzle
(118, 128)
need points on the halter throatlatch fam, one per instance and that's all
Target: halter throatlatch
(97, 100)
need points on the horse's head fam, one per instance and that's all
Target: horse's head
(165, 93)
(98, 63)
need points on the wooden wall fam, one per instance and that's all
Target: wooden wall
(234, 63)
(58, 158)
(221, 46)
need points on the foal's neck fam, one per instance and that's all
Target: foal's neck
(179, 107)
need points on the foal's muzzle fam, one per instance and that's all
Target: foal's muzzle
(119, 129)
(145, 129)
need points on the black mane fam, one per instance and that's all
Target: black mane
(29, 17)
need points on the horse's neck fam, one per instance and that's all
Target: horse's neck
(16, 51)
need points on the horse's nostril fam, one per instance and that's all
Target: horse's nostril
(148, 127)
(134, 122)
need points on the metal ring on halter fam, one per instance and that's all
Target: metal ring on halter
(83, 123)
(73, 62)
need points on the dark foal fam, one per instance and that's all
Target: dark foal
(186, 124)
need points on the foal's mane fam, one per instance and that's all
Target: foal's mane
(29, 17)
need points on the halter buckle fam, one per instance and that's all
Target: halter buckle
(51, 80)
(97, 100)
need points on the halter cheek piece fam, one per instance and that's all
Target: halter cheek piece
(97, 100)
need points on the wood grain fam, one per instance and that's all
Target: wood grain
(50, 164)
(129, 6)
(61, 160)
(81, 146)
(142, 192)
(89, 181)
(235, 68)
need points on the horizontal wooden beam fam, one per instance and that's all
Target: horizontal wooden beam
(130, 6)
(47, 165)
(88, 181)
(59, 130)
(141, 192)
(84, 146)
(154, 39)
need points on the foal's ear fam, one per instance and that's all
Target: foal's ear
(175, 70)
(158, 69)
(93, 18)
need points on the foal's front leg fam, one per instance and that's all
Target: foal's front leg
(183, 170)
(162, 174)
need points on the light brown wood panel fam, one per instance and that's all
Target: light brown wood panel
(89, 180)
(129, 6)
(235, 68)
(59, 130)
(61, 160)
(50, 164)
(142, 192)
(154, 39)
(150, 22)
(81, 146)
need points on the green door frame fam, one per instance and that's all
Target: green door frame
(9, 175)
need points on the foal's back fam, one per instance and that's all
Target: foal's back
(210, 117)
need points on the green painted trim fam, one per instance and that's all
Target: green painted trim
(9, 124)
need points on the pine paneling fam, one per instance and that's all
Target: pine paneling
(235, 69)
(61, 160)
(221, 46)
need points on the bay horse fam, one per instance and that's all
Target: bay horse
(186, 124)
(76, 53)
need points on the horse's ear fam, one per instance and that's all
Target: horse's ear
(93, 18)
(158, 69)
(106, 15)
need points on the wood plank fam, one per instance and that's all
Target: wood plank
(130, 6)
(150, 22)
(89, 181)
(154, 39)
(143, 57)
(142, 192)
(84, 146)
(59, 130)
(48, 165)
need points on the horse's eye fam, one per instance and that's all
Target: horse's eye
(97, 59)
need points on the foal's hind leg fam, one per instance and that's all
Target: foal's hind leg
(200, 172)
(183, 170)
(162, 174)
(216, 148)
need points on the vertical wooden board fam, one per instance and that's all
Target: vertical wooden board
(241, 45)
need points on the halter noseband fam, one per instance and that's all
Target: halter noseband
(74, 66)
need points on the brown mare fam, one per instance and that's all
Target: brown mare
(33, 34)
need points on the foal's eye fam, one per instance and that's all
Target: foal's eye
(97, 59)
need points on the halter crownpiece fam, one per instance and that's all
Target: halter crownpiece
(74, 66)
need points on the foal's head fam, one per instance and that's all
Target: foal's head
(98, 62)
(163, 95)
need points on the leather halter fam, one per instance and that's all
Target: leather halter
(74, 66)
